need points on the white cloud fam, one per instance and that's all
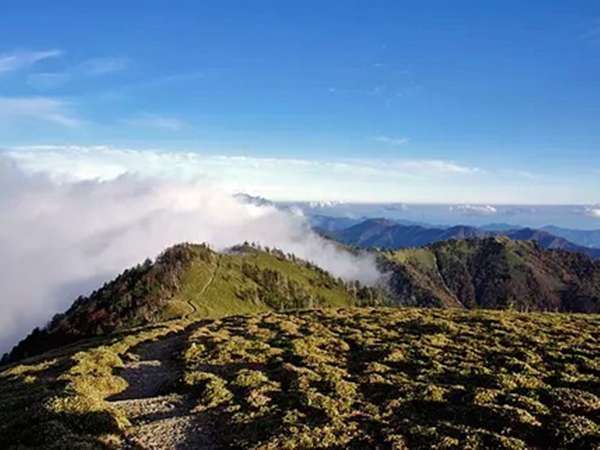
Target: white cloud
(394, 141)
(592, 211)
(103, 66)
(44, 109)
(160, 122)
(90, 67)
(279, 179)
(63, 239)
(10, 62)
(474, 210)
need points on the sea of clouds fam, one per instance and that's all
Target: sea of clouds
(62, 237)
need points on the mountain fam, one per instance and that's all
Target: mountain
(499, 227)
(193, 281)
(358, 378)
(325, 224)
(389, 234)
(494, 272)
(586, 238)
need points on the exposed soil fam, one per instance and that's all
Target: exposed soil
(160, 417)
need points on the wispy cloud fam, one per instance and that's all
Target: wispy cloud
(48, 80)
(399, 180)
(10, 62)
(277, 178)
(104, 66)
(434, 166)
(89, 68)
(44, 109)
(156, 121)
(395, 141)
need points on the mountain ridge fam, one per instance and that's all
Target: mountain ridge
(193, 281)
(388, 234)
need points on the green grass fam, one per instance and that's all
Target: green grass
(215, 299)
(216, 288)
(422, 257)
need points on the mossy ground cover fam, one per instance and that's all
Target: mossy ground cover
(399, 378)
(387, 378)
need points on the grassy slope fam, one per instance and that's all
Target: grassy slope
(214, 287)
(190, 281)
(338, 378)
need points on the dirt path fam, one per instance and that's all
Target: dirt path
(193, 307)
(160, 417)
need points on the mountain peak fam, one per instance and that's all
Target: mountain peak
(193, 281)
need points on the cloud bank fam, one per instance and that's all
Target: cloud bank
(358, 180)
(60, 239)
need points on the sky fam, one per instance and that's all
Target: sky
(370, 101)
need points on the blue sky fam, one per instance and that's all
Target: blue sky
(488, 102)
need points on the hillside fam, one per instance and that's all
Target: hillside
(193, 281)
(350, 378)
(388, 234)
(493, 273)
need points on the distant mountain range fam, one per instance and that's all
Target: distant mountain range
(389, 234)
(586, 238)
